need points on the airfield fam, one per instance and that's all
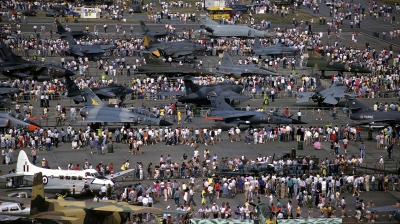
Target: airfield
(62, 155)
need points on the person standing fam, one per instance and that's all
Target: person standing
(299, 115)
(191, 194)
(334, 111)
(105, 28)
(362, 150)
(34, 155)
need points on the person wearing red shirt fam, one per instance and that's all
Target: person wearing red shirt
(77, 167)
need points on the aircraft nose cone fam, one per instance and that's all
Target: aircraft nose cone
(294, 121)
(165, 123)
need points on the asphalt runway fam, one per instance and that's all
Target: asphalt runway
(64, 154)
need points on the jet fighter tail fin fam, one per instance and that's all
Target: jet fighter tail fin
(86, 95)
(24, 165)
(190, 86)
(205, 20)
(226, 60)
(147, 40)
(60, 28)
(355, 105)
(7, 55)
(218, 102)
(145, 30)
(38, 201)
(151, 60)
(70, 39)
(257, 43)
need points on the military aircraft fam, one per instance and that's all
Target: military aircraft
(221, 111)
(218, 30)
(16, 67)
(95, 111)
(93, 52)
(71, 181)
(227, 67)
(156, 66)
(78, 212)
(321, 64)
(364, 115)
(197, 94)
(277, 49)
(155, 34)
(174, 49)
(77, 34)
(6, 92)
(321, 95)
(111, 91)
(17, 120)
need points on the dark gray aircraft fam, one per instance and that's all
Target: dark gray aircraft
(277, 49)
(93, 52)
(156, 66)
(111, 91)
(155, 34)
(197, 94)
(77, 34)
(362, 114)
(174, 49)
(321, 64)
(218, 30)
(6, 93)
(227, 67)
(16, 67)
(321, 95)
(221, 111)
(95, 111)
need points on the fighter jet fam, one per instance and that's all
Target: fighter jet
(221, 111)
(155, 34)
(17, 120)
(95, 111)
(277, 49)
(6, 93)
(77, 212)
(93, 52)
(174, 49)
(321, 95)
(197, 94)
(77, 34)
(227, 67)
(111, 91)
(218, 30)
(16, 67)
(362, 114)
(321, 64)
(156, 66)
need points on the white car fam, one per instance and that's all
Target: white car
(328, 3)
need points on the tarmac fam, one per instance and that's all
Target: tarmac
(62, 155)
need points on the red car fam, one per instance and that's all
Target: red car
(30, 13)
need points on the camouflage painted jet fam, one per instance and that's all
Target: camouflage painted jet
(95, 111)
(197, 94)
(321, 95)
(221, 111)
(364, 115)
(17, 120)
(111, 91)
(155, 34)
(78, 212)
(93, 52)
(321, 64)
(277, 49)
(227, 67)
(156, 66)
(218, 30)
(77, 34)
(16, 67)
(172, 49)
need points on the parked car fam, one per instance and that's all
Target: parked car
(29, 13)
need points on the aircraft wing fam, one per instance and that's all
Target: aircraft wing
(329, 99)
(233, 96)
(120, 173)
(181, 53)
(45, 216)
(304, 97)
(78, 53)
(388, 208)
(114, 207)
(107, 94)
(12, 175)
(60, 187)
(241, 114)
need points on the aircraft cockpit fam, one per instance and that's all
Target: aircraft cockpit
(279, 114)
(143, 112)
